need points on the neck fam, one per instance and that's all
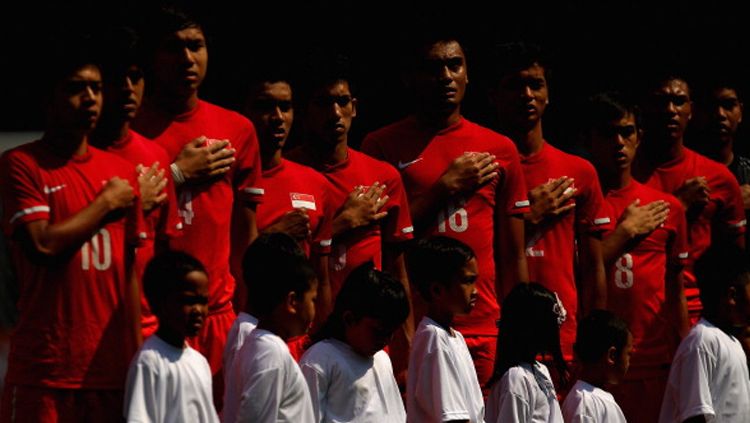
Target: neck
(326, 154)
(659, 155)
(270, 161)
(614, 180)
(528, 142)
(106, 135)
(171, 337)
(278, 327)
(67, 143)
(436, 121)
(724, 154)
(173, 104)
(593, 375)
(441, 316)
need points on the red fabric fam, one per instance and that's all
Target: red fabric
(72, 321)
(364, 244)
(423, 157)
(206, 207)
(44, 405)
(483, 350)
(550, 245)
(724, 212)
(298, 345)
(641, 393)
(289, 186)
(163, 222)
(636, 283)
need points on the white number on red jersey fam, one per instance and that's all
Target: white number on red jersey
(186, 206)
(624, 271)
(456, 217)
(97, 251)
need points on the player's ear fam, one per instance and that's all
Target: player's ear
(291, 302)
(612, 356)
(732, 296)
(354, 107)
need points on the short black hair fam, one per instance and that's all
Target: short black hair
(273, 266)
(721, 267)
(603, 108)
(165, 273)
(509, 58)
(597, 332)
(367, 292)
(436, 259)
(65, 56)
(119, 48)
(423, 37)
(323, 67)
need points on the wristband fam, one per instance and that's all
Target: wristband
(177, 175)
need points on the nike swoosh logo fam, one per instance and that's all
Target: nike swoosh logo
(48, 190)
(402, 165)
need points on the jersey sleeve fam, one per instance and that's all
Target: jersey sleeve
(438, 390)
(261, 396)
(732, 215)
(23, 198)
(248, 171)
(592, 214)
(317, 382)
(169, 225)
(679, 248)
(323, 234)
(689, 377)
(144, 402)
(397, 226)
(514, 196)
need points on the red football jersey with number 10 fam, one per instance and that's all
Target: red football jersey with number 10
(72, 324)
(551, 245)
(206, 207)
(637, 281)
(422, 157)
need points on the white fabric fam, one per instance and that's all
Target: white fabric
(268, 384)
(524, 394)
(708, 377)
(242, 326)
(347, 387)
(442, 383)
(168, 384)
(586, 403)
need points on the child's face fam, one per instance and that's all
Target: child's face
(306, 306)
(623, 361)
(461, 294)
(367, 335)
(185, 310)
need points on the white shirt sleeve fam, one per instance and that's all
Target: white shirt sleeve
(513, 408)
(318, 384)
(438, 390)
(142, 399)
(261, 397)
(692, 375)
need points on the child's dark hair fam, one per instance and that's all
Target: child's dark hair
(436, 259)
(529, 326)
(273, 266)
(165, 273)
(597, 332)
(721, 267)
(367, 292)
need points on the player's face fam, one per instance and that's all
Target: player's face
(270, 110)
(330, 112)
(181, 61)
(367, 335)
(123, 93)
(521, 97)
(463, 290)
(77, 100)
(441, 77)
(668, 110)
(614, 144)
(185, 310)
(721, 115)
(306, 307)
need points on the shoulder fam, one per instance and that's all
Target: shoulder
(229, 117)
(518, 380)
(390, 133)
(26, 153)
(310, 175)
(430, 337)
(497, 143)
(320, 353)
(709, 167)
(572, 161)
(379, 167)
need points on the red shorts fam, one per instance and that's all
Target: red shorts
(210, 342)
(49, 405)
(482, 349)
(641, 393)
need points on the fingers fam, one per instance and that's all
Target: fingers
(487, 178)
(216, 145)
(379, 216)
(484, 159)
(381, 202)
(197, 142)
(221, 154)
(560, 185)
(160, 198)
(564, 209)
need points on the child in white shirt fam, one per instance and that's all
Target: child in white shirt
(349, 375)
(603, 346)
(168, 381)
(265, 385)
(442, 382)
(522, 390)
(708, 380)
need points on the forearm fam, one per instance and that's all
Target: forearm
(592, 270)
(675, 301)
(394, 263)
(243, 232)
(424, 208)
(324, 303)
(133, 300)
(613, 246)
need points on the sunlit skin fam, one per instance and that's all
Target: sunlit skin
(458, 297)
(613, 147)
(184, 311)
(440, 84)
(270, 109)
(667, 111)
(180, 65)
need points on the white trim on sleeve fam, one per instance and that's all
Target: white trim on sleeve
(28, 211)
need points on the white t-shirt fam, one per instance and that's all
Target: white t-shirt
(442, 383)
(347, 387)
(588, 404)
(709, 376)
(242, 326)
(267, 384)
(524, 394)
(168, 384)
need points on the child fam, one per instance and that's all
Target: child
(349, 375)
(709, 379)
(258, 264)
(529, 327)
(442, 383)
(168, 380)
(603, 346)
(265, 384)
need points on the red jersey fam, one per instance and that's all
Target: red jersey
(422, 157)
(72, 319)
(551, 244)
(290, 186)
(636, 282)
(206, 207)
(162, 222)
(365, 244)
(723, 213)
